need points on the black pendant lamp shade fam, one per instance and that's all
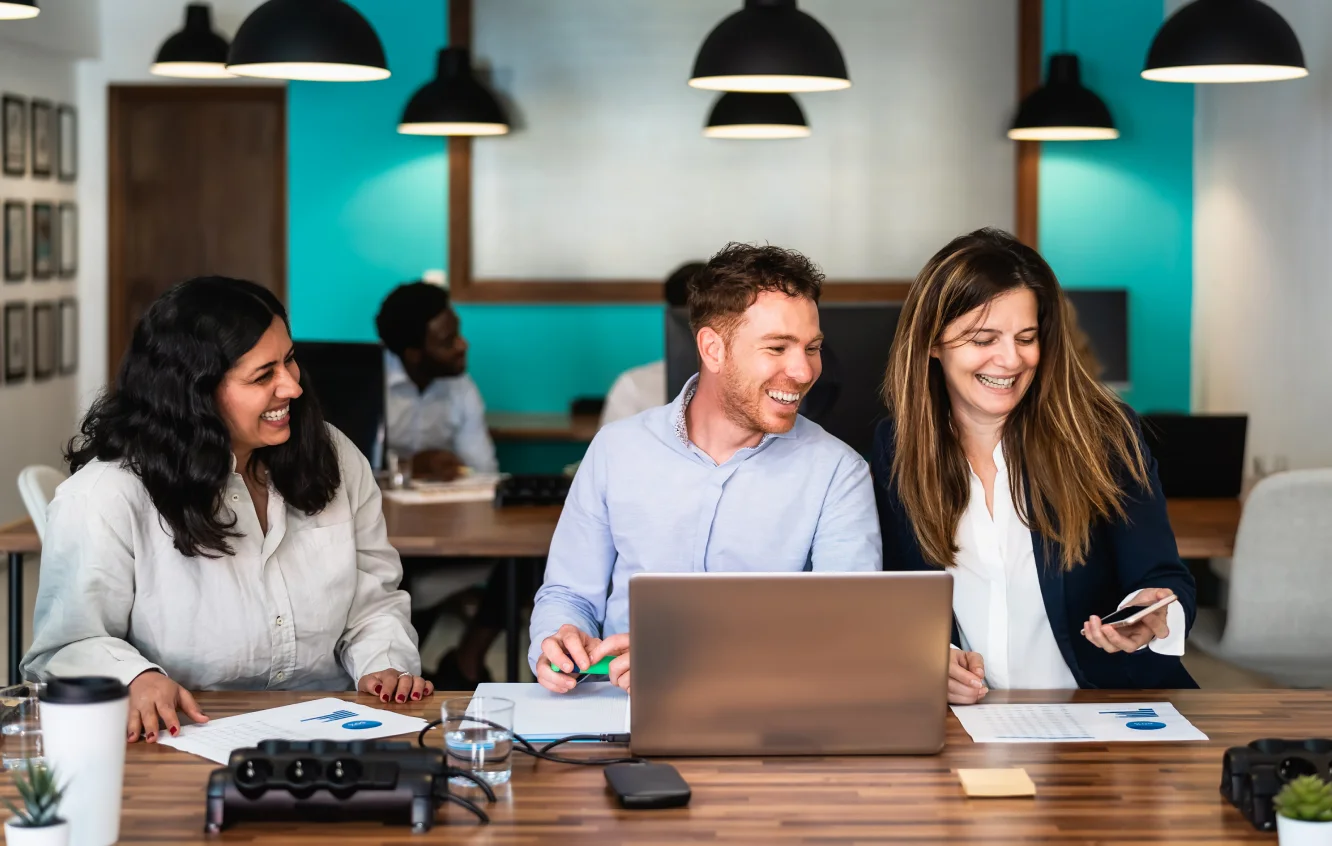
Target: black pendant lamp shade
(319, 40)
(745, 114)
(1225, 41)
(1062, 109)
(14, 10)
(196, 52)
(770, 46)
(454, 102)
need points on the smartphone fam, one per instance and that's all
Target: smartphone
(647, 785)
(1130, 614)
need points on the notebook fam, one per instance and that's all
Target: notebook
(539, 715)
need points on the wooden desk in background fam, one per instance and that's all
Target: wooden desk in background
(1204, 528)
(510, 426)
(1102, 793)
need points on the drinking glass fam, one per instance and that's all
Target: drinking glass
(478, 737)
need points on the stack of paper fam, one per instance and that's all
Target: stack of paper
(478, 487)
(539, 715)
(1072, 723)
(320, 719)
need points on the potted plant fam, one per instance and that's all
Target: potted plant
(37, 824)
(1304, 812)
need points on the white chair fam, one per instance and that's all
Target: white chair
(1280, 584)
(36, 486)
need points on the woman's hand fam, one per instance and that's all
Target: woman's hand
(154, 697)
(394, 685)
(617, 644)
(1134, 637)
(966, 677)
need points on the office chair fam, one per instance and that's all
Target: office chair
(37, 484)
(1280, 584)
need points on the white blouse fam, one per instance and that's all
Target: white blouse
(997, 596)
(312, 605)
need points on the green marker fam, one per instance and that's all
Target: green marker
(601, 668)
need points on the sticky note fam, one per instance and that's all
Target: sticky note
(1013, 782)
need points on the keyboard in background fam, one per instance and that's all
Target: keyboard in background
(534, 489)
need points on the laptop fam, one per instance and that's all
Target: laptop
(789, 663)
(1197, 455)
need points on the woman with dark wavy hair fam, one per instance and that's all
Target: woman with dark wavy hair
(216, 533)
(1007, 463)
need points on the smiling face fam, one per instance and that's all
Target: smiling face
(772, 358)
(255, 396)
(989, 356)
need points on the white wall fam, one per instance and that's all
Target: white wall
(130, 33)
(35, 417)
(1262, 276)
(610, 177)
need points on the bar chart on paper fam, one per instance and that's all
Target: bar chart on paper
(1072, 723)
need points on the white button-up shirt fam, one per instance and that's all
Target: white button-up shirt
(312, 605)
(447, 415)
(997, 596)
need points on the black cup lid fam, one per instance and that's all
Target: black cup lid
(84, 690)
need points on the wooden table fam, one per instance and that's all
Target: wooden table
(1204, 528)
(516, 426)
(1085, 793)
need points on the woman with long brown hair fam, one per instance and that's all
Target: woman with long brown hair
(1005, 462)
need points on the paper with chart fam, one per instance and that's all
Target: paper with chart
(1076, 722)
(319, 719)
(538, 714)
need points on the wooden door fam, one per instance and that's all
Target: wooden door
(197, 185)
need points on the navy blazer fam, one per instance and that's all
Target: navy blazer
(1124, 556)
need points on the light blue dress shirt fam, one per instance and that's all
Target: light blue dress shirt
(447, 415)
(646, 500)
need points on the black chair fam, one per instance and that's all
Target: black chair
(348, 379)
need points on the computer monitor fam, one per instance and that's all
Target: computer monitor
(348, 379)
(1103, 316)
(1198, 455)
(847, 399)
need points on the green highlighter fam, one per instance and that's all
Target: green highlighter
(601, 668)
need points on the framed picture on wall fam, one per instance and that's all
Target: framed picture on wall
(45, 343)
(15, 142)
(16, 342)
(68, 231)
(43, 241)
(16, 240)
(68, 146)
(43, 138)
(69, 336)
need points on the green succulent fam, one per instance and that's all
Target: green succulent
(1307, 798)
(40, 793)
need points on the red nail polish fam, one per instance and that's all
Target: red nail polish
(416, 696)
(384, 697)
(378, 688)
(400, 699)
(173, 731)
(150, 738)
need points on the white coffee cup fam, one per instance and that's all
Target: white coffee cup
(83, 729)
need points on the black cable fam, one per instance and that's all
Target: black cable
(469, 805)
(525, 746)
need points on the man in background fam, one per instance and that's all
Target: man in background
(643, 387)
(433, 409)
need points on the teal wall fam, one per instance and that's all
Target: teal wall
(1119, 214)
(367, 211)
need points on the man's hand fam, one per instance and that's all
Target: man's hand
(155, 697)
(1134, 637)
(394, 686)
(966, 678)
(436, 465)
(617, 644)
(568, 649)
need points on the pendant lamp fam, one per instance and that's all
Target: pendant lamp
(318, 40)
(770, 46)
(454, 102)
(743, 114)
(1225, 41)
(16, 10)
(1063, 109)
(195, 52)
